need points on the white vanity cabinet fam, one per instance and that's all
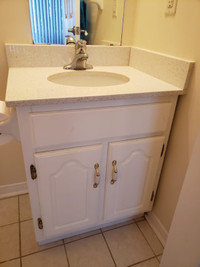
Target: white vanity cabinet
(93, 163)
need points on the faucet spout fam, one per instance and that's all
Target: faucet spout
(79, 61)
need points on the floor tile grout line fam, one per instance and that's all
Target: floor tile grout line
(108, 248)
(23, 256)
(15, 196)
(26, 220)
(66, 254)
(80, 238)
(20, 251)
(114, 228)
(158, 260)
(140, 219)
(146, 239)
(100, 232)
(23, 194)
(159, 255)
(1, 262)
(9, 224)
(132, 265)
(8, 197)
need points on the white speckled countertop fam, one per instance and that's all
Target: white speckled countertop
(30, 86)
(150, 74)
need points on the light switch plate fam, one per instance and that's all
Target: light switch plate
(114, 8)
(171, 7)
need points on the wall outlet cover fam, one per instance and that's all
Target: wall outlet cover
(171, 7)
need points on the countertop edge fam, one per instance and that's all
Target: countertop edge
(38, 102)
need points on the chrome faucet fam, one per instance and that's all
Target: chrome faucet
(79, 61)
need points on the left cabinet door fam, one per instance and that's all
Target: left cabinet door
(69, 202)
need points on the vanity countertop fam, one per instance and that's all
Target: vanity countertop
(30, 86)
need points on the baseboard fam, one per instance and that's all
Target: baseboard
(13, 190)
(157, 226)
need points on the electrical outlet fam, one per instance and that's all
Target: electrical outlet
(171, 7)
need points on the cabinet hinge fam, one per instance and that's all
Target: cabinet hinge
(33, 172)
(162, 151)
(152, 195)
(40, 223)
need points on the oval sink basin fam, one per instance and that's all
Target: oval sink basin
(88, 78)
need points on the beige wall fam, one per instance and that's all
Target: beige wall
(183, 243)
(129, 21)
(179, 36)
(14, 28)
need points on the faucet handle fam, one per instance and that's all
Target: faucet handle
(81, 42)
(80, 46)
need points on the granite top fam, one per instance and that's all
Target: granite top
(30, 86)
(150, 74)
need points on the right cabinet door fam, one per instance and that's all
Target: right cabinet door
(130, 177)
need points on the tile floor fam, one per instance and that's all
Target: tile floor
(129, 244)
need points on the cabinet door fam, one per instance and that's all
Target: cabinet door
(68, 200)
(137, 164)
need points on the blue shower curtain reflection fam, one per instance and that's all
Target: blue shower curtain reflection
(47, 21)
(83, 18)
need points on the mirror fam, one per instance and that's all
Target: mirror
(100, 21)
(104, 21)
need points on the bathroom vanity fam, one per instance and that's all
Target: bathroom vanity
(93, 154)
